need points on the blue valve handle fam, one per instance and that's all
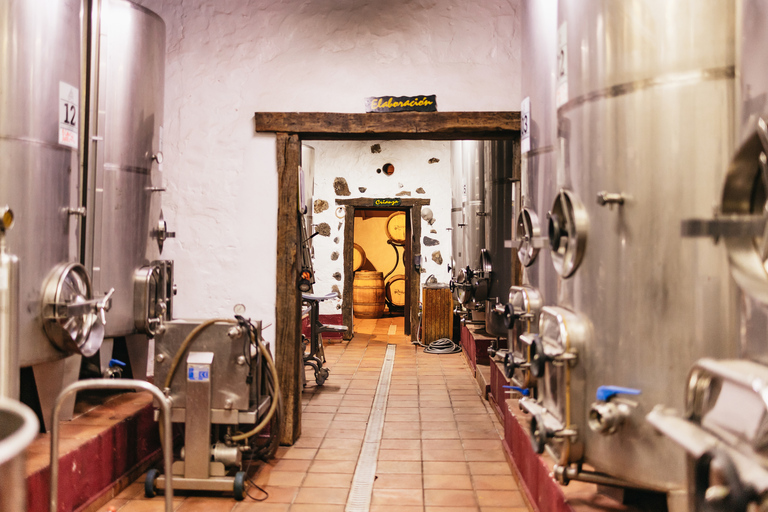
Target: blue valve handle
(605, 393)
(115, 362)
(522, 391)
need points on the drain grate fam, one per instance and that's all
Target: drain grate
(365, 473)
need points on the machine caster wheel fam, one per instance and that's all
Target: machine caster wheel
(239, 486)
(321, 376)
(150, 491)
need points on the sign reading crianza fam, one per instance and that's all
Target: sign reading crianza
(387, 202)
(401, 104)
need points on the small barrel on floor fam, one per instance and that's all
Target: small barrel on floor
(368, 294)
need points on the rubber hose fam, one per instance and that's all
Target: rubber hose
(273, 406)
(185, 345)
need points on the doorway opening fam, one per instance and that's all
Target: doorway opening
(379, 253)
(290, 128)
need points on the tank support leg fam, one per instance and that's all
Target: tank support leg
(50, 379)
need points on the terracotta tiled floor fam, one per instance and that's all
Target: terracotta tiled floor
(441, 449)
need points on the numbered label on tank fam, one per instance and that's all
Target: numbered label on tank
(198, 373)
(525, 125)
(69, 102)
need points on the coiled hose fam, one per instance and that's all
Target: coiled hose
(441, 346)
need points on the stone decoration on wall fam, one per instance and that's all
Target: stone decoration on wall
(354, 160)
(437, 257)
(320, 205)
(430, 242)
(324, 229)
(420, 190)
(341, 188)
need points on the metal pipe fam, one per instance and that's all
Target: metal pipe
(564, 474)
(165, 406)
(9, 322)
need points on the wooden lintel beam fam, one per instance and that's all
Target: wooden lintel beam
(368, 203)
(395, 125)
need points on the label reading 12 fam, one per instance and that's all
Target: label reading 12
(69, 100)
(201, 373)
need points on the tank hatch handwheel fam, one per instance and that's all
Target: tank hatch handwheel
(510, 318)
(238, 487)
(718, 487)
(538, 357)
(538, 434)
(150, 491)
(509, 365)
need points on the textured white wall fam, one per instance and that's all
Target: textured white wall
(229, 58)
(354, 161)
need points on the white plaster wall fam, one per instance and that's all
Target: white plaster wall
(354, 161)
(229, 58)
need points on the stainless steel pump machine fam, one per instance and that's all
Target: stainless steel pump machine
(222, 383)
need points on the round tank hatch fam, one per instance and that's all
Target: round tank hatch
(526, 231)
(463, 288)
(70, 320)
(744, 194)
(568, 228)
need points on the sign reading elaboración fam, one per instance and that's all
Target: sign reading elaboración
(401, 104)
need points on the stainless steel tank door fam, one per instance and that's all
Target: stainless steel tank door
(528, 232)
(72, 319)
(153, 291)
(744, 198)
(560, 383)
(568, 230)
(725, 432)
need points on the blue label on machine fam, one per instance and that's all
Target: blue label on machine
(200, 373)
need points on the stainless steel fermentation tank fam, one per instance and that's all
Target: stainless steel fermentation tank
(501, 179)
(470, 282)
(644, 94)
(537, 186)
(458, 223)
(725, 418)
(126, 233)
(59, 317)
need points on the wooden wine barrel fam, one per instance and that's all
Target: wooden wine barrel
(368, 294)
(358, 257)
(395, 227)
(394, 290)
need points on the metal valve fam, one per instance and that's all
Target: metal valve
(607, 415)
(162, 233)
(80, 211)
(610, 198)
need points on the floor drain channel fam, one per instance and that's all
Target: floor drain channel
(365, 473)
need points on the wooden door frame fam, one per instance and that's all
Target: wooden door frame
(412, 208)
(290, 128)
